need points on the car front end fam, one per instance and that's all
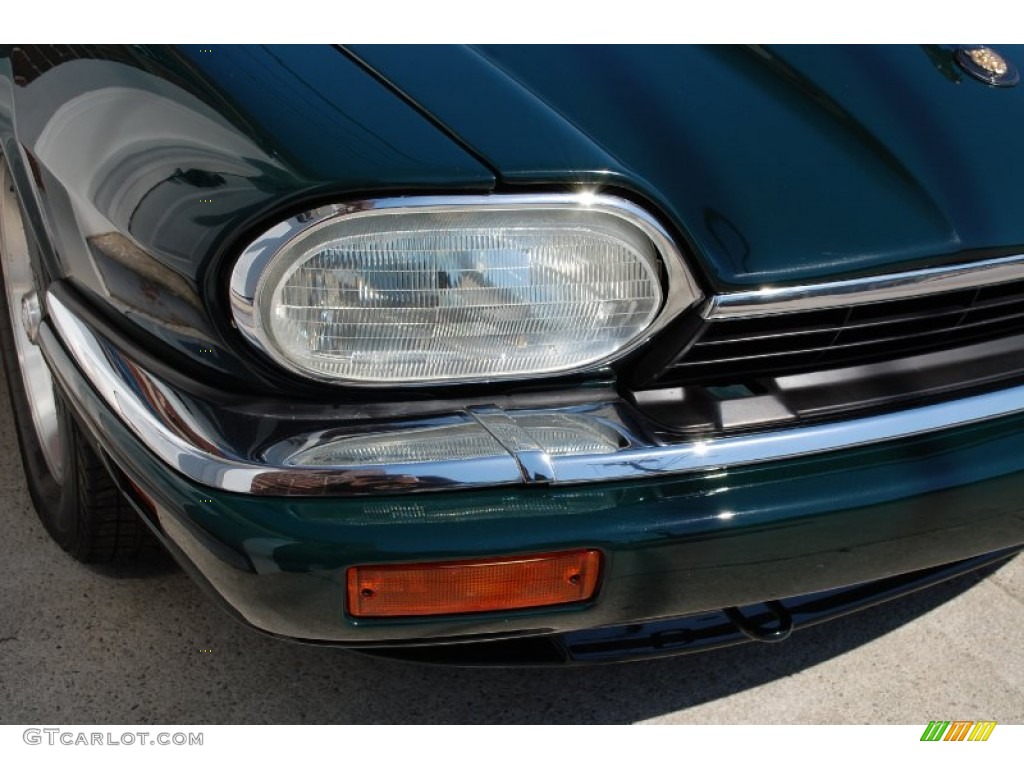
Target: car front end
(646, 352)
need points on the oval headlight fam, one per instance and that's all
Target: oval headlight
(463, 289)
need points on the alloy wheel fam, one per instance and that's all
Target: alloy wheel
(23, 304)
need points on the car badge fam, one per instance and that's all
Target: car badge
(987, 64)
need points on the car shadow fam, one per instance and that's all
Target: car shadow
(316, 684)
(154, 565)
(626, 693)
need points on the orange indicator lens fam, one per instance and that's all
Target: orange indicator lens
(472, 586)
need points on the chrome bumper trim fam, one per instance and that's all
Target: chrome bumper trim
(865, 290)
(534, 462)
(187, 436)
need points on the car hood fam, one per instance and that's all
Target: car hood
(775, 165)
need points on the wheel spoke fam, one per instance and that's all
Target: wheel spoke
(23, 307)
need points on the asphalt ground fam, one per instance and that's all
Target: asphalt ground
(81, 644)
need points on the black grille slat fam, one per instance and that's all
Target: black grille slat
(716, 338)
(925, 326)
(821, 320)
(1001, 310)
(917, 333)
(733, 349)
(702, 351)
(1002, 290)
(721, 371)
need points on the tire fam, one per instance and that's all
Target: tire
(74, 495)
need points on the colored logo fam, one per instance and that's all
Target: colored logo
(958, 730)
(986, 64)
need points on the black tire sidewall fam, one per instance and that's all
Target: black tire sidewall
(56, 502)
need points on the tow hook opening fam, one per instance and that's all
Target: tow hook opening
(764, 632)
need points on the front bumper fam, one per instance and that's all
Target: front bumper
(705, 530)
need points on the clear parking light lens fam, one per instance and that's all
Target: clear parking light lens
(560, 434)
(452, 442)
(417, 295)
(556, 434)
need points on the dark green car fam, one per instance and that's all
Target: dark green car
(521, 354)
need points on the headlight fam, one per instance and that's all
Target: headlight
(458, 289)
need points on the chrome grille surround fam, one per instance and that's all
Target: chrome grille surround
(778, 331)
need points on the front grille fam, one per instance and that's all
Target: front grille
(731, 350)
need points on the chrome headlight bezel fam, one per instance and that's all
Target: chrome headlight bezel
(259, 259)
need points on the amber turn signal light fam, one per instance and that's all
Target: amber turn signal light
(472, 586)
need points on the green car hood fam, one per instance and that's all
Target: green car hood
(775, 165)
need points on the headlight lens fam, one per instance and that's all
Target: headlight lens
(445, 293)
(557, 434)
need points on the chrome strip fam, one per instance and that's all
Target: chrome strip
(779, 445)
(680, 289)
(170, 428)
(865, 290)
(534, 462)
